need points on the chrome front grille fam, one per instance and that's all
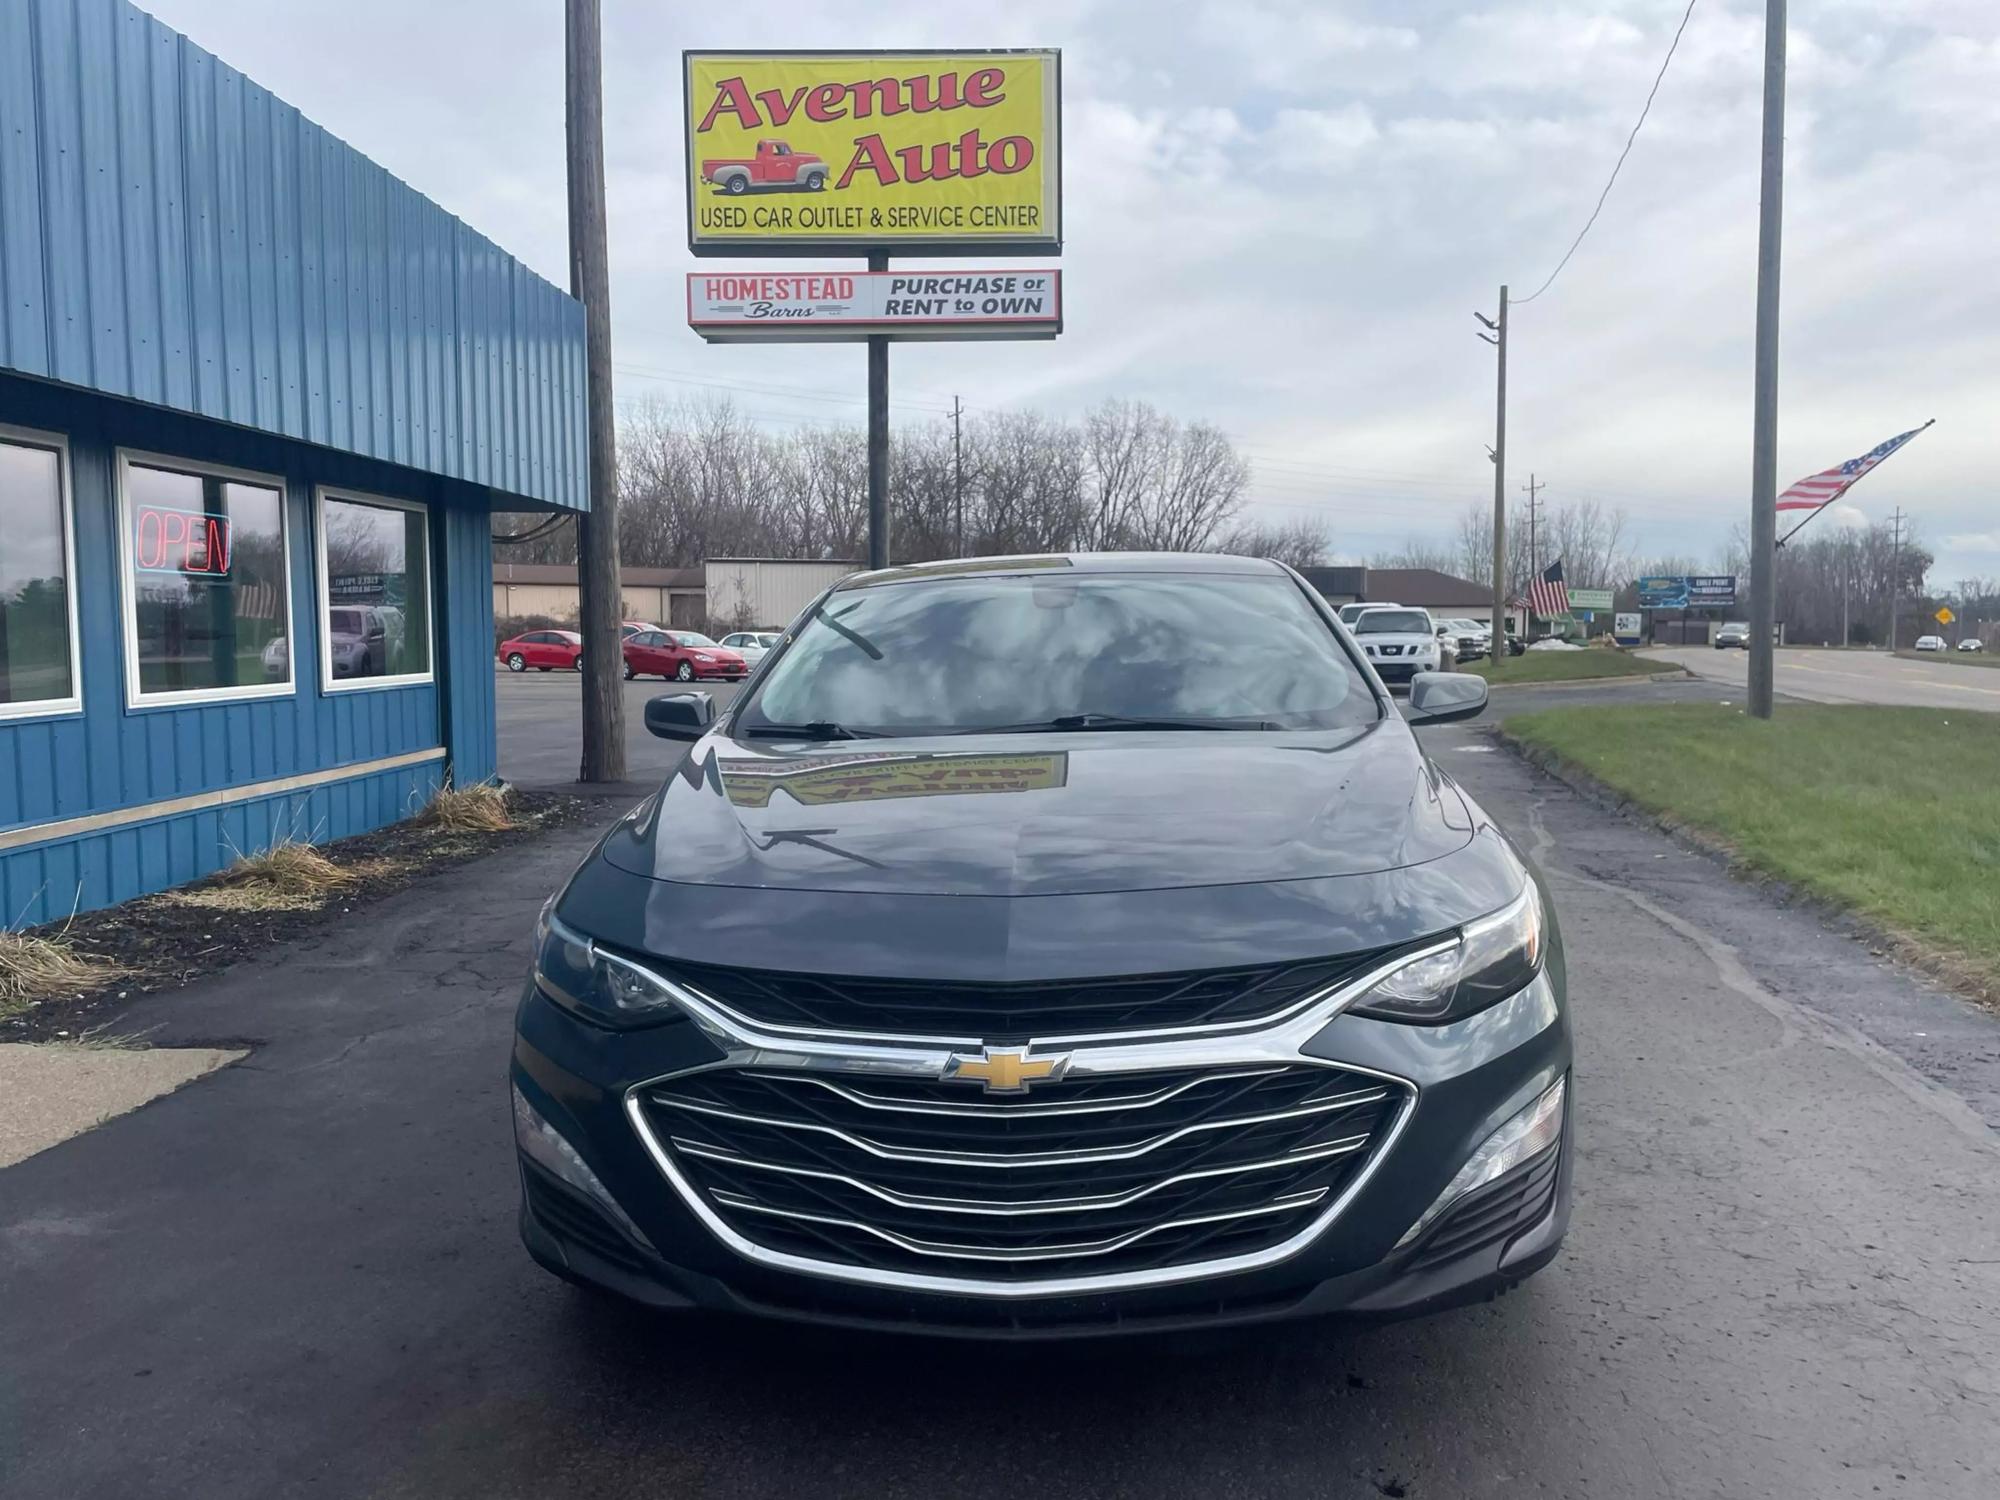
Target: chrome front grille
(1142, 1173)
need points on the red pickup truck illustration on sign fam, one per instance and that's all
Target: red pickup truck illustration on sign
(776, 165)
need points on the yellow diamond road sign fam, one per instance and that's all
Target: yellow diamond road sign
(1945, 616)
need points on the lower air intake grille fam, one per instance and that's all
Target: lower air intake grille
(1092, 1175)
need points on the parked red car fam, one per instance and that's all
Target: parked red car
(683, 655)
(544, 650)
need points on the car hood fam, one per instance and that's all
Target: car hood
(1012, 815)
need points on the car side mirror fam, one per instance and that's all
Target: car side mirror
(680, 716)
(1446, 697)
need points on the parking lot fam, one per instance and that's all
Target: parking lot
(1781, 1276)
(538, 726)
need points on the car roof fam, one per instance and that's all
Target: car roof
(1066, 562)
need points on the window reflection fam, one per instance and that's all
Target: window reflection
(205, 570)
(964, 654)
(377, 590)
(34, 578)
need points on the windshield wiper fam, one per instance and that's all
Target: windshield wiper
(1079, 723)
(822, 729)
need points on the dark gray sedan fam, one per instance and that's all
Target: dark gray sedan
(1051, 946)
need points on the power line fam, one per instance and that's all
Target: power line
(1658, 78)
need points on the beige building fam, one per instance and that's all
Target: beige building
(659, 596)
(766, 593)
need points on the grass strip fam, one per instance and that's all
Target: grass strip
(1888, 812)
(1569, 666)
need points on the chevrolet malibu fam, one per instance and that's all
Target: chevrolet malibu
(1051, 946)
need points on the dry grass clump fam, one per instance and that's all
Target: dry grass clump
(46, 968)
(288, 876)
(469, 809)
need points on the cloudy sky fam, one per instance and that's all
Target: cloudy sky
(1281, 216)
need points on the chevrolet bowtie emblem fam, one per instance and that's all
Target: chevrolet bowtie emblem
(1006, 1071)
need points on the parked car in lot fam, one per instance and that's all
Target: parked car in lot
(1399, 643)
(1972, 643)
(1930, 643)
(1087, 986)
(687, 655)
(1734, 633)
(1471, 639)
(752, 645)
(544, 650)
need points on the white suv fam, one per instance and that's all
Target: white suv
(1399, 643)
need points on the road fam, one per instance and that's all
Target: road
(301, 1276)
(1852, 677)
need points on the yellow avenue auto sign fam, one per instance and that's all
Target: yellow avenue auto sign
(844, 152)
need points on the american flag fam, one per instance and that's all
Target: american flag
(1548, 596)
(1829, 485)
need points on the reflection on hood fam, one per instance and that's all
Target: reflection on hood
(822, 780)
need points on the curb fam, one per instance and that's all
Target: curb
(1678, 674)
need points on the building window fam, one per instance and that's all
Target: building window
(207, 613)
(375, 584)
(38, 668)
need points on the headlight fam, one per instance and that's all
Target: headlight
(1490, 959)
(572, 971)
(1527, 1135)
(703, 656)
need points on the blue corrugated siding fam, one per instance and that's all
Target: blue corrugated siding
(109, 757)
(46, 882)
(173, 233)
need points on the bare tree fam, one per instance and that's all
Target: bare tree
(1301, 543)
(699, 480)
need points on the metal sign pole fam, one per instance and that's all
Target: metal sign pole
(878, 436)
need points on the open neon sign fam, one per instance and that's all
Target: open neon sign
(180, 541)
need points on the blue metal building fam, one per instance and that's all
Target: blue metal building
(258, 399)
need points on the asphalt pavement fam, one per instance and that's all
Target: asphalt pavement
(300, 1275)
(539, 714)
(1852, 676)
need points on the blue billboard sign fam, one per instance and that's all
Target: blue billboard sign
(1688, 591)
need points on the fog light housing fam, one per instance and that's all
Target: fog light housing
(549, 1149)
(1522, 1138)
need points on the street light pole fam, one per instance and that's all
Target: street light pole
(1499, 341)
(1764, 444)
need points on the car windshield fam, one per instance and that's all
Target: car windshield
(343, 622)
(692, 638)
(1392, 622)
(962, 655)
(1737, 625)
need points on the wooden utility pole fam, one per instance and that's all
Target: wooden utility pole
(957, 475)
(1895, 573)
(1534, 492)
(603, 757)
(1500, 489)
(1764, 438)
(878, 435)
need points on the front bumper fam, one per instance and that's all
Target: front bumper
(1468, 1079)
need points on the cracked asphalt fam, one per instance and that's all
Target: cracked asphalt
(300, 1276)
